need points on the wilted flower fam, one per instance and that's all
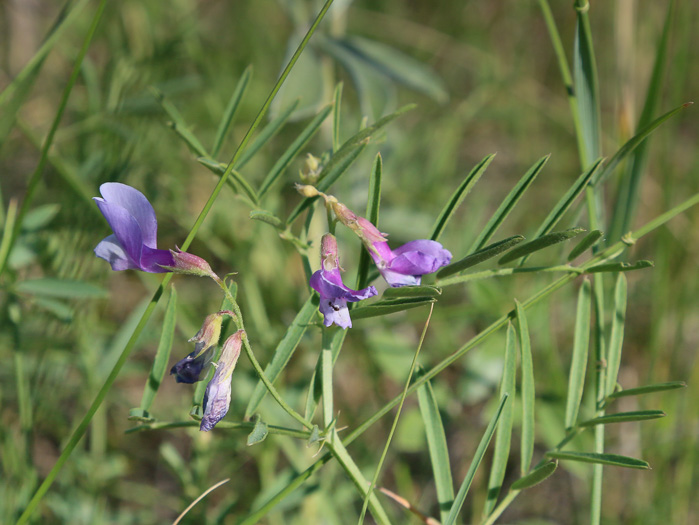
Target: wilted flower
(217, 398)
(188, 370)
(334, 295)
(132, 219)
(400, 267)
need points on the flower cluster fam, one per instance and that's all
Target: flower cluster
(403, 266)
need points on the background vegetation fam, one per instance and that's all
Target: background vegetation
(486, 80)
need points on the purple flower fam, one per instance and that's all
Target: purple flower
(217, 397)
(334, 295)
(403, 266)
(188, 370)
(132, 219)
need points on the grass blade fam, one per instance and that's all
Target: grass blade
(285, 349)
(578, 364)
(623, 417)
(539, 244)
(315, 390)
(528, 390)
(458, 196)
(372, 215)
(480, 256)
(475, 463)
(586, 243)
(390, 306)
(616, 339)
(600, 459)
(508, 204)
(619, 267)
(503, 436)
(293, 150)
(648, 389)
(437, 445)
(231, 110)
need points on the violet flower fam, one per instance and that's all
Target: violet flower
(189, 369)
(133, 244)
(334, 295)
(403, 266)
(217, 397)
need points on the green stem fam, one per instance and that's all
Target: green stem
(501, 507)
(242, 425)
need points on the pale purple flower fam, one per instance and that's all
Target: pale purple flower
(133, 245)
(403, 266)
(217, 397)
(334, 295)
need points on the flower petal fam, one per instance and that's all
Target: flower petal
(396, 279)
(189, 369)
(329, 285)
(335, 311)
(217, 399)
(137, 205)
(152, 261)
(419, 257)
(125, 228)
(111, 251)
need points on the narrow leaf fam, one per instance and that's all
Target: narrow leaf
(259, 432)
(503, 436)
(620, 267)
(578, 365)
(586, 243)
(178, 124)
(616, 339)
(536, 476)
(601, 459)
(539, 244)
(412, 291)
(475, 463)
(337, 107)
(437, 445)
(293, 150)
(390, 306)
(235, 178)
(269, 131)
(315, 387)
(231, 110)
(458, 196)
(268, 217)
(648, 389)
(480, 256)
(528, 392)
(285, 349)
(162, 357)
(623, 417)
(508, 204)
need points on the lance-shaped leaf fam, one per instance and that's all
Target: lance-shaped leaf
(623, 417)
(616, 339)
(390, 306)
(412, 291)
(230, 111)
(458, 196)
(437, 445)
(528, 394)
(259, 432)
(578, 365)
(620, 267)
(648, 389)
(235, 179)
(480, 256)
(601, 459)
(508, 204)
(586, 243)
(504, 433)
(539, 244)
(536, 476)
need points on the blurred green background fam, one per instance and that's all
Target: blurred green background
(485, 78)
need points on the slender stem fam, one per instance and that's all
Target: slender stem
(242, 425)
(395, 419)
(501, 507)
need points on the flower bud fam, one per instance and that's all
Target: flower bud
(311, 169)
(189, 264)
(307, 190)
(328, 252)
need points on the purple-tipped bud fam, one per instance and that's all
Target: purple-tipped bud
(189, 264)
(189, 369)
(328, 253)
(217, 398)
